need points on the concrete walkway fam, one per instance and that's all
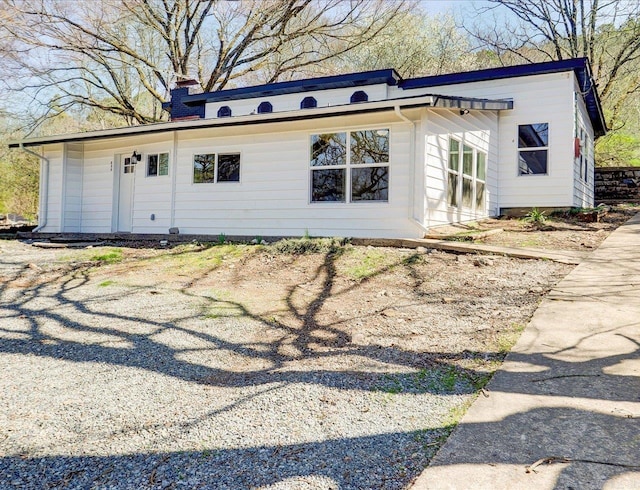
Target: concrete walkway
(563, 412)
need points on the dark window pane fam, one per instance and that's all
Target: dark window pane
(152, 165)
(467, 193)
(370, 146)
(370, 184)
(359, 96)
(308, 103)
(467, 160)
(328, 149)
(224, 111)
(480, 206)
(452, 190)
(229, 167)
(203, 168)
(328, 185)
(163, 164)
(532, 162)
(533, 135)
(265, 107)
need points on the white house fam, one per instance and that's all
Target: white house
(362, 155)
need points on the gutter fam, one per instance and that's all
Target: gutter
(412, 160)
(43, 189)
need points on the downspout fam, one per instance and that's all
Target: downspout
(43, 189)
(412, 173)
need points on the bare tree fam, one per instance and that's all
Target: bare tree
(415, 44)
(122, 56)
(605, 31)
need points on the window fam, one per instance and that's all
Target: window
(453, 172)
(308, 103)
(224, 111)
(466, 176)
(481, 176)
(211, 167)
(359, 96)
(350, 166)
(265, 107)
(157, 164)
(533, 148)
(129, 165)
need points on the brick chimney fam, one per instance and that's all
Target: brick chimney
(176, 108)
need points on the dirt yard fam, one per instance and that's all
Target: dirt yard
(252, 367)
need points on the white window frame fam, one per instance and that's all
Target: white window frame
(157, 154)
(461, 176)
(216, 156)
(348, 167)
(531, 149)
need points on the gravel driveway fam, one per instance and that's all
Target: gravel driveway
(146, 374)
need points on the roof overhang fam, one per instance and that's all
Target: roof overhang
(434, 101)
(580, 66)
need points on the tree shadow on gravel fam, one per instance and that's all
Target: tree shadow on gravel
(378, 461)
(40, 302)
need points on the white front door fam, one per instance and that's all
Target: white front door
(125, 194)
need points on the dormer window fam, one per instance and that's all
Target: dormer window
(265, 107)
(308, 103)
(359, 96)
(224, 111)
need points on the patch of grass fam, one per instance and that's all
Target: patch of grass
(111, 256)
(506, 341)
(301, 246)
(106, 283)
(368, 265)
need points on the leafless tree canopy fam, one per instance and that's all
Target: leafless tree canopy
(605, 31)
(121, 57)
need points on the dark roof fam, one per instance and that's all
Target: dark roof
(390, 77)
(580, 66)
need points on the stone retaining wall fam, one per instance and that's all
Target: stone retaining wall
(617, 184)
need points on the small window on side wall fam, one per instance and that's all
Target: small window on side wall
(359, 96)
(224, 111)
(533, 149)
(157, 164)
(265, 107)
(308, 103)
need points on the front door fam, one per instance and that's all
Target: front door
(125, 199)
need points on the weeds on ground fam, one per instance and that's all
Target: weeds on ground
(108, 257)
(536, 217)
(301, 246)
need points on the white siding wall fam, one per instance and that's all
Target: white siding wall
(152, 195)
(291, 102)
(477, 129)
(537, 99)
(272, 197)
(72, 191)
(54, 195)
(583, 189)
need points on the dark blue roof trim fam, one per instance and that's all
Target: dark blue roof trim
(578, 65)
(390, 77)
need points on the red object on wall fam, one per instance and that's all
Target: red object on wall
(576, 148)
